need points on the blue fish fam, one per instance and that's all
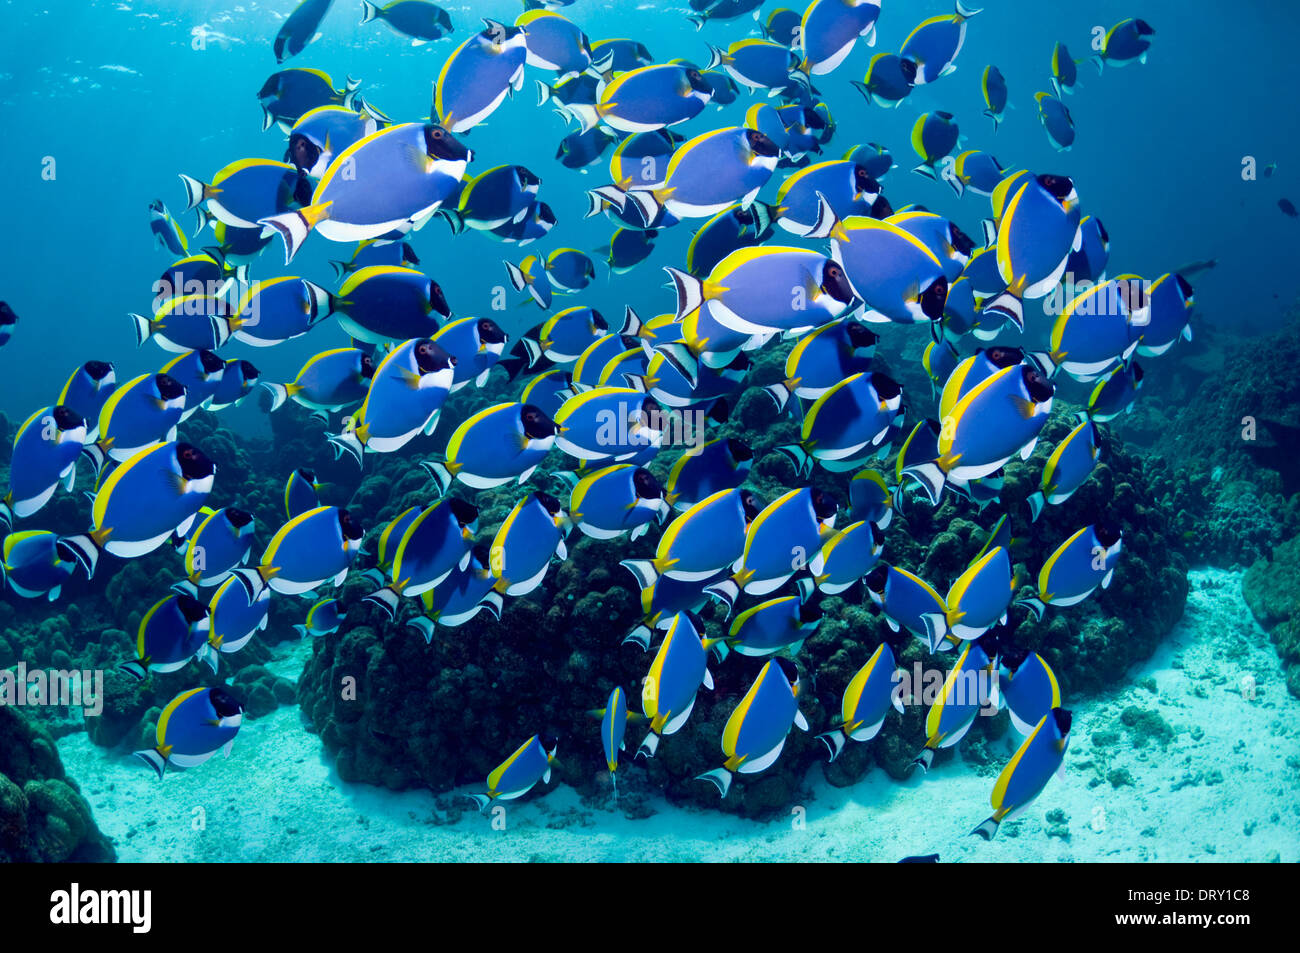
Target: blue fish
(867, 700)
(310, 549)
(194, 726)
(1069, 466)
(171, 633)
(530, 535)
(519, 773)
(45, 452)
(1077, 567)
(323, 618)
(32, 565)
(1040, 756)
(756, 731)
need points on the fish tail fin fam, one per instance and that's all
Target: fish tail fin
(965, 11)
(1036, 503)
(649, 746)
(717, 57)
(1034, 605)
(279, 393)
(987, 828)
(516, 275)
(936, 627)
(196, 191)
(826, 223)
(6, 518)
(587, 115)
(726, 592)
(802, 460)
(347, 440)
(301, 630)
(369, 12)
(152, 758)
(143, 327)
(647, 204)
(293, 227)
(1097, 62)
(481, 800)
(425, 626)
(927, 171)
(781, 393)
(1009, 306)
(698, 20)
(924, 759)
(387, 599)
(544, 93)
(611, 193)
(81, 548)
(1045, 361)
(930, 477)
(454, 219)
(719, 778)
(441, 474)
(340, 269)
(252, 581)
(643, 569)
(691, 292)
(834, 740)
(632, 323)
(640, 635)
(135, 668)
(680, 358)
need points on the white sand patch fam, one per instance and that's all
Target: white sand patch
(1223, 789)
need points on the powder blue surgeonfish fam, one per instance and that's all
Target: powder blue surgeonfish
(238, 380)
(1040, 756)
(1077, 567)
(200, 373)
(156, 493)
(1170, 303)
(436, 542)
(88, 387)
(756, 731)
(246, 191)
(171, 633)
(847, 424)
(1127, 41)
(970, 686)
(847, 557)
(329, 381)
(194, 726)
(679, 668)
(324, 617)
(609, 424)
(476, 344)
(1036, 232)
(701, 540)
(1065, 70)
(279, 309)
(45, 452)
(301, 492)
(310, 549)
(1115, 393)
(390, 181)
(384, 303)
(646, 98)
(1069, 466)
(166, 229)
(783, 623)
(323, 133)
(299, 28)
(529, 536)
(888, 81)
(1098, 330)
(519, 773)
(1056, 120)
(994, 85)
(422, 21)
(219, 544)
(934, 44)
(477, 76)
(846, 187)
(614, 718)
(978, 599)
(405, 397)
(867, 700)
(824, 357)
(895, 273)
(460, 597)
(1028, 693)
(934, 137)
(1089, 262)
(719, 464)
(906, 600)
(830, 28)
(233, 620)
(32, 565)
(554, 42)
(782, 539)
(608, 502)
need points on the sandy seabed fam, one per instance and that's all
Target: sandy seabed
(1223, 787)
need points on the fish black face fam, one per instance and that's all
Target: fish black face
(740, 363)
(1107, 532)
(351, 528)
(864, 181)
(1039, 387)
(526, 178)
(908, 69)
(645, 484)
(861, 336)
(881, 208)
(750, 504)
(537, 426)
(1184, 287)
(302, 152)
(409, 257)
(1059, 186)
(876, 579)
(65, 418)
(498, 32)
(97, 370)
(788, 669)
(251, 373)
(651, 413)
(489, 332)
(836, 283)
(1137, 373)
(210, 362)
(194, 463)
(156, 206)
(431, 358)
(307, 475)
(223, 702)
(549, 503)
(885, 386)
(1063, 718)
(169, 388)
(437, 300)
(1144, 28)
(191, 608)
(271, 88)
(598, 321)
(877, 536)
(761, 144)
(1003, 356)
(961, 241)
(698, 82)
(302, 189)
(550, 740)
(441, 144)
(465, 512)
(482, 553)
(934, 298)
(824, 504)
(739, 450)
(238, 518)
(367, 366)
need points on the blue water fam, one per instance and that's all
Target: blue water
(1158, 156)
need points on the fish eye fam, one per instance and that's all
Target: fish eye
(1039, 387)
(549, 503)
(1107, 532)
(98, 370)
(367, 365)
(1063, 718)
(875, 580)
(223, 702)
(238, 517)
(66, 418)
(788, 669)
(740, 451)
(885, 386)
(1002, 356)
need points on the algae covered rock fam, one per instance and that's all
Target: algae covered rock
(1272, 590)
